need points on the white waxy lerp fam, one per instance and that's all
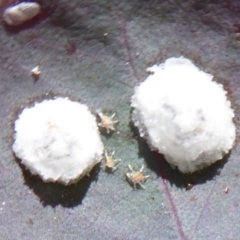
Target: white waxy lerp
(184, 115)
(58, 140)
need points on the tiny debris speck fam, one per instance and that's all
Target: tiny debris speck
(189, 186)
(35, 72)
(226, 190)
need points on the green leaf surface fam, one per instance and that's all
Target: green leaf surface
(96, 52)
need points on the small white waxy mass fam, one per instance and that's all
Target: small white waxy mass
(184, 115)
(20, 13)
(35, 72)
(58, 140)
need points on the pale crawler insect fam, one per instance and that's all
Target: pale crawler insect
(111, 163)
(107, 122)
(136, 177)
(20, 13)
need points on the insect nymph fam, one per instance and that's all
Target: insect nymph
(136, 177)
(107, 122)
(111, 163)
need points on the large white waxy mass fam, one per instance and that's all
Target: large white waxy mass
(184, 115)
(58, 140)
